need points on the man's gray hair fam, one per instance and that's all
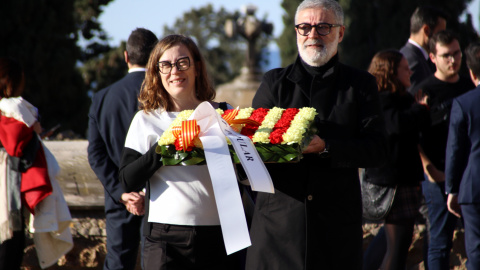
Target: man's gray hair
(330, 5)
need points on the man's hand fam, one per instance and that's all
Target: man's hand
(317, 145)
(453, 206)
(134, 202)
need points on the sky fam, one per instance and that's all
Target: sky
(120, 17)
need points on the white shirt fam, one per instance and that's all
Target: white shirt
(424, 52)
(181, 195)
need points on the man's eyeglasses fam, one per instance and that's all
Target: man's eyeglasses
(322, 29)
(182, 64)
(451, 57)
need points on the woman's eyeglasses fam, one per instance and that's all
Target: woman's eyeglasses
(182, 64)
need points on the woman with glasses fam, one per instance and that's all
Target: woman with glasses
(404, 118)
(183, 229)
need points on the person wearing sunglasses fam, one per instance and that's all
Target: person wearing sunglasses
(314, 219)
(183, 229)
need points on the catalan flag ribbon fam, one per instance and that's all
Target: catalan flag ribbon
(186, 133)
(230, 119)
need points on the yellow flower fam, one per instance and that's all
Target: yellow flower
(299, 126)
(167, 137)
(219, 111)
(242, 114)
(263, 132)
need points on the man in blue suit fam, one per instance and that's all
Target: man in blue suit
(424, 22)
(110, 115)
(462, 173)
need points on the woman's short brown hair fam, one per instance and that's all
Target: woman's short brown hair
(153, 94)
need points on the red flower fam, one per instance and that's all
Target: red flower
(179, 146)
(257, 115)
(282, 125)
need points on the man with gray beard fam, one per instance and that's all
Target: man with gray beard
(314, 219)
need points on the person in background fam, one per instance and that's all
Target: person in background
(462, 175)
(424, 22)
(441, 87)
(183, 229)
(110, 115)
(293, 229)
(22, 163)
(404, 118)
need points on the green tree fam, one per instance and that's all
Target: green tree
(43, 35)
(287, 42)
(105, 69)
(224, 56)
(375, 25)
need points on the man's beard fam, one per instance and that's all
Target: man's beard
(317, 56)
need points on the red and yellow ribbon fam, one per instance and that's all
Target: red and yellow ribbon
(230, 118)
(186, 133)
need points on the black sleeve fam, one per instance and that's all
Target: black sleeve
(136, 169)
(25, 162)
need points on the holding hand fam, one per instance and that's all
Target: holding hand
(37, 127)
(317, 145)
(134, 202)
(421, 98)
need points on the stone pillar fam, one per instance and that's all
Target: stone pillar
(241, 90)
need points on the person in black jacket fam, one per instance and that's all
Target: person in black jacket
(110, 114)
(314, 219)
(404, 118)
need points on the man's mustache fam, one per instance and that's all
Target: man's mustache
(313, 42)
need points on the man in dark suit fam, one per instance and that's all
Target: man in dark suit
(462, 173)
(110, 114)
(314, 219)
(424, 22)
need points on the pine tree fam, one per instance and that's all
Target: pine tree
(43, 35)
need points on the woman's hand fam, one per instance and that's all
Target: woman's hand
(421, 98)
(37, 127)
(134, 202)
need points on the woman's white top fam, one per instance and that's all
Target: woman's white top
(181, 195)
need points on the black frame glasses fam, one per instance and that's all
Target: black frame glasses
(182, 64)
(322, 29)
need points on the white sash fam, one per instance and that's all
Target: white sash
(213, 130)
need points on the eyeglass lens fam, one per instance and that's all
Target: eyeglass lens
(182, 64)
(322, 29)
(451, 57)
